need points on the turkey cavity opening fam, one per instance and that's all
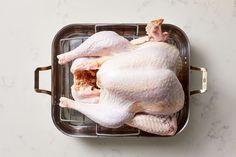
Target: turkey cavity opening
(85, 79)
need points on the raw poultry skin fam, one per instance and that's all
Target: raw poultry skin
(132, 80)
(156, 124)
(103, 43)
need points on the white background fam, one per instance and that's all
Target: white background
(27, 28)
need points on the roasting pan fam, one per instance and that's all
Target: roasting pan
(75, 124)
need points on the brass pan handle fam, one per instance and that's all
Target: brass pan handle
(36, 80)
(204, 80)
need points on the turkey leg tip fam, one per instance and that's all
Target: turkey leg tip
(61, 59)
(64, 102)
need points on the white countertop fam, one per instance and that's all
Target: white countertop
(27, 29)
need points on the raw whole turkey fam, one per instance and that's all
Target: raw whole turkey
(119, 82)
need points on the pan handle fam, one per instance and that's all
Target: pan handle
(36, 80)
(204, 80)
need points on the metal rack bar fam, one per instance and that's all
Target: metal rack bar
(109, 25)
(114, 135)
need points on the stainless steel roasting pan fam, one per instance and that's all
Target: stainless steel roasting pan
(75, 124)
